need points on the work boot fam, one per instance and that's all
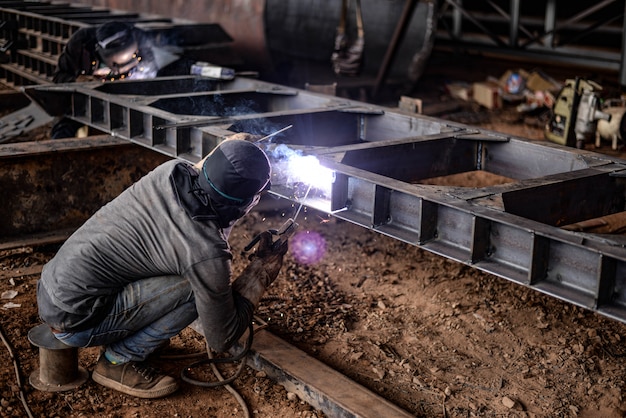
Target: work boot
(133, 378)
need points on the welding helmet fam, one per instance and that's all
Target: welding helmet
(235, 172)
(118, 47)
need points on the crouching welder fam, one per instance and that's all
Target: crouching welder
(154, 259)
(111, 51)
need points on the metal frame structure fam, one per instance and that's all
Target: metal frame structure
(34, 33)
(589, 33)
(383, 160)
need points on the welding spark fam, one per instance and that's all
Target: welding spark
(143, 71)
(322, 220)
(298, 168)
(308, 247)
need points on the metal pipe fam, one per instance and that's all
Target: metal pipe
(58, 363)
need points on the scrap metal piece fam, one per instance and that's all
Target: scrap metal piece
(22, 121)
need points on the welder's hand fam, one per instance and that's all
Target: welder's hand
(262, 270)
(245, 136)
(271, 255)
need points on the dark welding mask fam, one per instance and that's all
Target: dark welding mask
(234, 175)
(119, 53)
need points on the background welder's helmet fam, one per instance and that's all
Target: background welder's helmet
(234, 175)
(117, 47)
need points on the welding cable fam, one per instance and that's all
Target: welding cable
(212, 361)
(17, 373)
(178, 357)
(221, 380)
(228, 387)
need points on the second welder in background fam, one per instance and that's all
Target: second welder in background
(112, 51)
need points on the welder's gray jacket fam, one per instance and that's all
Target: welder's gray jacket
(143, 233)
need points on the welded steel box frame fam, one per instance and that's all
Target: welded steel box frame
(382, 159)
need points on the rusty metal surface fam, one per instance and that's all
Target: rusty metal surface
(58, 184)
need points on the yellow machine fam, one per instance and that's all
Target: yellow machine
(575, 114)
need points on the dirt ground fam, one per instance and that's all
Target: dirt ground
(436, 337)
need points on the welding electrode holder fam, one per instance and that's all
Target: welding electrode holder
(284, 233)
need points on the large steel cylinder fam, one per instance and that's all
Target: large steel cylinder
(305, 30)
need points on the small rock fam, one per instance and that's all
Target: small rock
(292, 396)
(379, 373)
(508, 402)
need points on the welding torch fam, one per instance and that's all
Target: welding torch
(283, 234)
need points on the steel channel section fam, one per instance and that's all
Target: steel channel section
(37, 200)
(380, 158)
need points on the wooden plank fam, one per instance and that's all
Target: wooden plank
(317, 384)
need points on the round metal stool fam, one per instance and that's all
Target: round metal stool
(58, 363)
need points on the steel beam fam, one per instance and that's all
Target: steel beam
(383, 160)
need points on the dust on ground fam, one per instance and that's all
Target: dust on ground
(436, 337)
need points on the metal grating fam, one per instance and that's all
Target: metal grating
(34, 33)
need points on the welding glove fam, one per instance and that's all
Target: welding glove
(265, 264)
